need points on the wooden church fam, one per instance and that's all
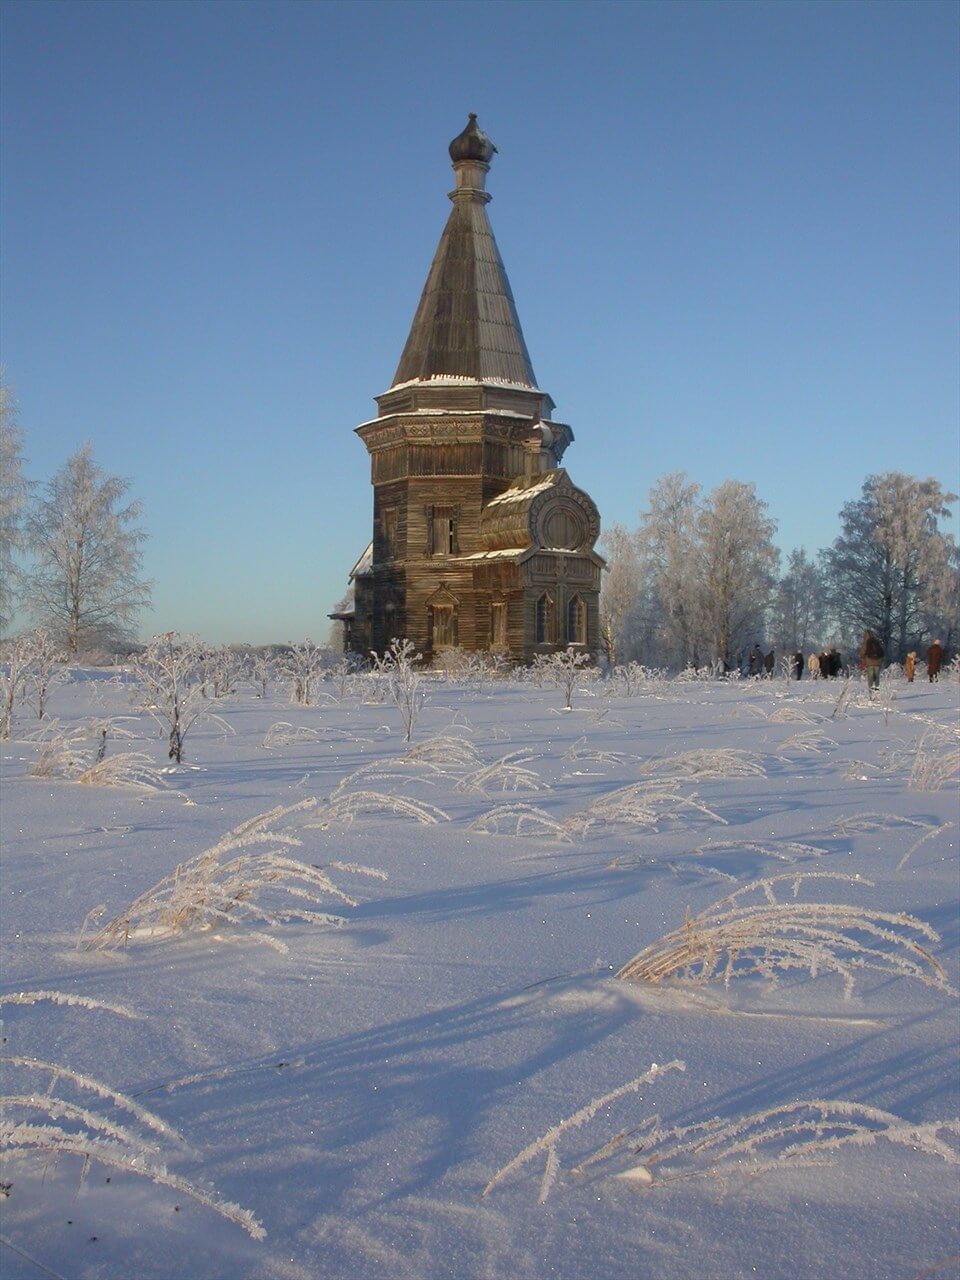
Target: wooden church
(480, 538)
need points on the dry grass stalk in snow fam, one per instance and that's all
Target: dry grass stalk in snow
(778, 1138)
(67, 998)
(783, 851)
(736, 936)
(810, 742)
(748, 709)
(922, 840)
(583, 753)
(349, 805)
(711, 762)
(395, 769)
(791, 713)
(547, 1144)
(640, 804)
(126, 769)
(226, 883)
(856, 823)
(51, 1110)
(62, 757)
(446, 749)
(509, 773)
(853, 823)
(936, 761)
(284, 734)
(520, 820)
(60, 754)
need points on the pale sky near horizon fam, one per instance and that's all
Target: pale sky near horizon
(730, 228)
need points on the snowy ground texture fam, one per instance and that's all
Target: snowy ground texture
(358, 1091)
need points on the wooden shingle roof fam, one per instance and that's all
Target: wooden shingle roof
(466, 323)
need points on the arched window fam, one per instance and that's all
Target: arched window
(576, 621)
(544, 620)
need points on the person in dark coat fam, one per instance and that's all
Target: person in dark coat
(871, 658)
(798, 665)
(755, 660)
(934, 659)
(768, 662)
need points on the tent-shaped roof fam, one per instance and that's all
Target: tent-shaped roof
(466, 323)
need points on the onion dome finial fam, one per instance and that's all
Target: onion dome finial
(472, 144)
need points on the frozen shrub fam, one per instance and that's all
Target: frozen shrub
(304, 664)
(565, 669)
(169, 677)
(15, 668)
(399, 666)
(47, 669)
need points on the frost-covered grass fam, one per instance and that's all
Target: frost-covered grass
(357, 1090)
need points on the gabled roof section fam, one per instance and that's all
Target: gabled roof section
(466, 324)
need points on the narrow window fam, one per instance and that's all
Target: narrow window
(389, 533)
(544, 620)
(443, 627)
(498, 625)
(576, 621)
(443, 532)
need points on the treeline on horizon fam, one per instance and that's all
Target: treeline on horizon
(699, 582)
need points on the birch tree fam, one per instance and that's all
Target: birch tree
(799, 606)
(619, 589)
(85, 586)
(738, 562)
(891, 560)
(668, 538)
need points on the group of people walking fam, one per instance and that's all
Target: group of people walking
(871, 660)
(828, 664)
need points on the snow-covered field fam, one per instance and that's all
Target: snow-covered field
(358, 1091)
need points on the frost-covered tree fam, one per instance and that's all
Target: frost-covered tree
(620, 589)
(565, 668)
(85, 586)
(304, 664)
(738, 562)
(16, 664)
(891, 562)
(14, 490)
(46, 670)
(404, 682)
(168, 674)
(799, 605)
(669, 535)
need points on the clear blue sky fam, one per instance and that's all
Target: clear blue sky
(731, 231)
